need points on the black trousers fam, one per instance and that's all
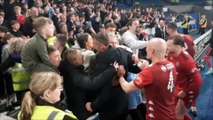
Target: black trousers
(185, 31)
(6, 85)
(202, 31)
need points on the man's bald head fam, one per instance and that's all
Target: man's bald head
(157, 46)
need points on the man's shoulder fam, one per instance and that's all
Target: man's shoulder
(185, 56)
(127, 33)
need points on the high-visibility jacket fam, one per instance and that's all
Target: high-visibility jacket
(21, 78)
(203, 23)
(185, 23)
(51, 41)
(48, 113)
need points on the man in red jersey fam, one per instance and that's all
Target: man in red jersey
(158, 80)
(188, 77)
(189, 46)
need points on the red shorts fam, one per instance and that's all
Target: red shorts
(189, 99)
(209, 52)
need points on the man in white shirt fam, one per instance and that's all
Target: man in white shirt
(130, 39)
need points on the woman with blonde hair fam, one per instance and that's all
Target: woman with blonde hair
(40, 102)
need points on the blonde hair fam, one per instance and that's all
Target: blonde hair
(40, 22)
(17, 8)
(70, 55)
(16, 45)
(39, 84)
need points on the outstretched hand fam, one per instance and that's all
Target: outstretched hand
(142, 64)
(88, 107)
(121, 71)
(115, 65)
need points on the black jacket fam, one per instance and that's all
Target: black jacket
(112, 101)
(77, 84)
(160, 33)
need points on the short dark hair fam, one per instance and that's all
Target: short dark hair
(82, 39)
(123, 30)
(172, 26)
(177, 40)
(102, 38)
(51, 49)
(3, 29)
(112, 25)
(130, 22)
(6, 37)
(13, 22)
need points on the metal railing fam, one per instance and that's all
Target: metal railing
(200, 49)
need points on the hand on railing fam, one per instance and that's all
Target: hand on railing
(202, 46)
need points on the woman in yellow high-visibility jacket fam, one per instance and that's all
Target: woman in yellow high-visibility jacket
(40, 102)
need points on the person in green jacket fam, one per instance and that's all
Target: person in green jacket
(42, 101)
(34, 55)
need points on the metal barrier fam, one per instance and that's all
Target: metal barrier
(202, 50)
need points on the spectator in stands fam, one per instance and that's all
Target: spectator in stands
(85, 42)
(77, 83)
(209, 52)
(6, 84)
(9, 9)
(189, 79)
(25, 9)
(3, 31)
(13, 64)
(19, 17)
(110, 28)
(71, 22)
(3, 22)
(5, 48)
(15, 29)
(102, 28)
(54, 55)
(34, 55)
(41, 101)
(161, 105)
(135, 98)
(96, 23)
(129, 38)
(116, 20)
(160, 30)
(63, 29)
(112, 102)
(60, 43)
(28, 26)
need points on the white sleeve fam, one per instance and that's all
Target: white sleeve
(133, 43)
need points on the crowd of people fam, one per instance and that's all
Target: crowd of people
(72, 59)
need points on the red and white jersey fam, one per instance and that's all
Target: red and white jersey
(189, 44)
(188, 76)
(158, 81)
